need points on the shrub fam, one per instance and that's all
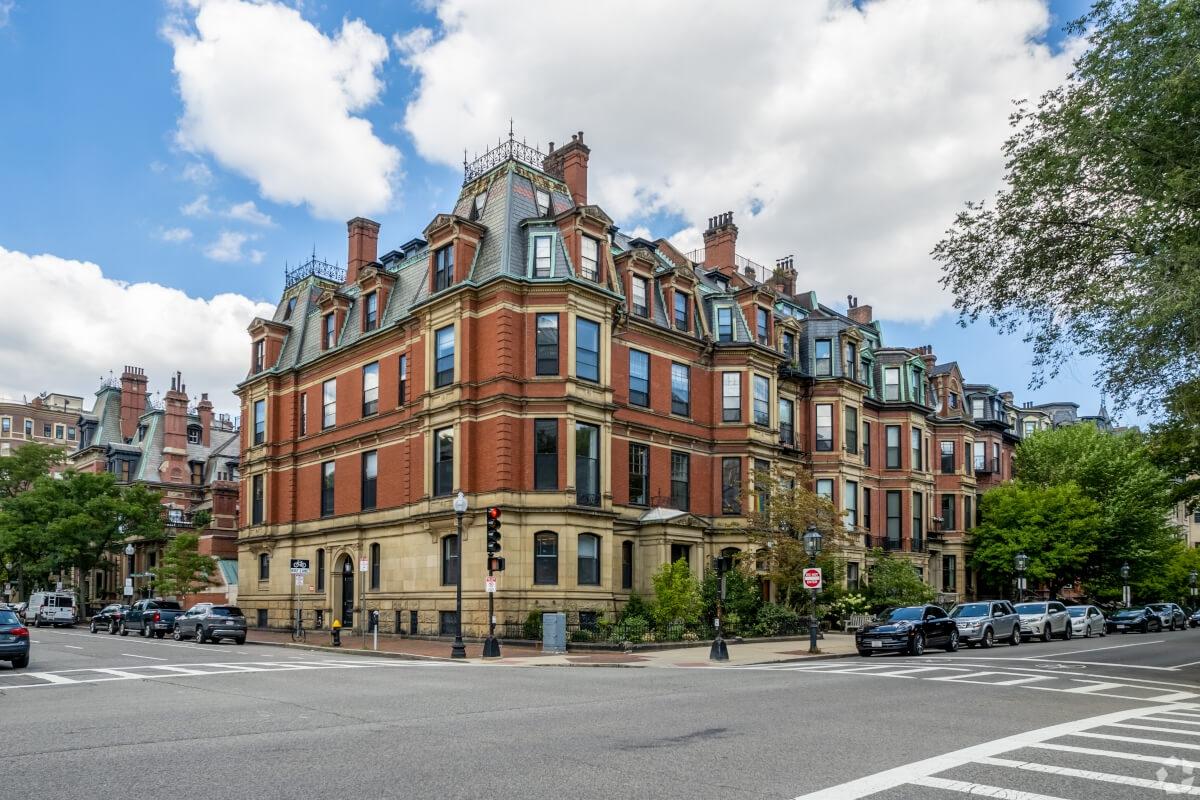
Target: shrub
(582, 636)
(637, 606)
(533, 624)
(633, 629)
(774, 620)
(691, 636)
(676, 594)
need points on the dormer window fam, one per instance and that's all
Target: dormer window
(762, 318)
(141, 432)
(589, 258)
(722, 283)
(260, 354)
(287, 311)
(371, 311)
(724, 324)
(640, 305)
(542, 198)
(824, 357)
(443, 268)
(851, 360)
(789, 346)
(681, 310)
(194, 434)
(542, 261)
(891, 383)
(330, 331)
(480, 201)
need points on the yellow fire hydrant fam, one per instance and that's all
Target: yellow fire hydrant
(336, 631)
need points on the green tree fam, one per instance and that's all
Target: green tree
(1057, 527)
(184, 570)
(676, 594)
(1174, 442)
(24, 466)
(895, 582)
(1093, 245)
(743, 594)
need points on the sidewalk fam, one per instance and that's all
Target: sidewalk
(834, 645)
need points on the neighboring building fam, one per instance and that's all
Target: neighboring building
(50, 419)
(612, 395)
(188, 454)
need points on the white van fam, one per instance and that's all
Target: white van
(50, 608)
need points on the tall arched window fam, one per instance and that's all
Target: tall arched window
(321, 570)
(375, 565)
(264, 567)
(450, 560)
(589, 559)
(627, 564)
(545, 557)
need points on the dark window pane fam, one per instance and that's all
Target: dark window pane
(545, 454)
(443, 462)
(639, 474)
(449, 560)
(731, 486)
(587, 349)
(587, 464)
(681, 390)
(445, 356)
(589, 559)
(545, 558)
(547, 344)
(639, 378)
(680, 481)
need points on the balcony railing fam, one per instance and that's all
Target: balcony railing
(787, 435)
(986, 466)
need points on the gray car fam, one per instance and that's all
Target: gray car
(210, 622)
(1087, 621)
(986, 622)
(1174, 618)
(1044, 620)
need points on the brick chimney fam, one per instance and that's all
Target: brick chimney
(205, 409)
(364, 245)
(860, 314)
(928, 357)
(133, 400)
(720, 242)
(570, 164)
(174, 461)
(784, 278)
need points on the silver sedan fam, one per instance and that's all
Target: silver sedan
(1087, 621)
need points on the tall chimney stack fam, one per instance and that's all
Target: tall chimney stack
(720, 243)
(133, 400)
(205, 410)
(364, 245)
(569, 163)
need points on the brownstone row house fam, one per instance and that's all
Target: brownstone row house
(50, 419)
(611, 394)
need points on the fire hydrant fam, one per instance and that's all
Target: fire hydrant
(336, 631)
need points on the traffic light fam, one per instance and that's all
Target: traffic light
(493, 530)
(495, 563)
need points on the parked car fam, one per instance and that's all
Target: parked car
(1144, 620)
(151, 618)
(210, 622)
(1045, 620)
(1174, 618)
(986, 622)
(908, 630)
(1087, 620)
(1194, 619)
(108, 618)
(50, 608)
(14, 640)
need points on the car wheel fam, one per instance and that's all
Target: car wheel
(37, 622)
(1047, 632)
(988, 639)
(1154, 627)
(1068, 631)
(160, 635)
(240, 640)
(124, 630)
(952, 645)
(176, 635)
(199, 635)
(92, 627)
(21, 662)
(112, 628)
(865, 653)
(1015, 639)
(917, 646)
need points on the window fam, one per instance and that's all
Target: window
(639, 474)
(852, 576)
(980, 456)
(627, 564)
(256, 500)
(954, 399)
(449, 560)
(545, 558)
(681, 390)
(851, 364)
(260, 354)
(303, 413)
(787, 422)
(444, 343)
(403, 379)
(996, 457)
(1028, 428)
(70, 433)
(824, 427)
(825, 488)
(893, 446)
(947, 458)
(46, 430)
(762, 477)
(320, 569)
(918, 511)
(375, 565)
(443, 268)
(589, 559)
(916, 448)
(60, 431)
(640, 306)
(680, 481)
(949, 573)
(197, 472)
(762, 401)
(866, 510)
(587, 464)
(683, 551)
(789, 346)
(824, 357)
(891, 383)
(260, 421)
(866, 443)
(264, 566)
(589, 258)
(724, 324)
(371, 311)
(545, 454)
(194, 434)
(893, 519)
(761, 322)
(370, 478)
(977, 407)
(28, 429)
(948, 519)
(541, 256)
(330, 338)
(587, 349)
(639, 378)
(851, 429)
(850, 501)
(443, 462)
(329, 403)
(327, 469)
(547, 344)
(542, 199)
(731, 396)
(681, 310)
(731, 486)
(370, 389)
(480, 202)
(289, 308)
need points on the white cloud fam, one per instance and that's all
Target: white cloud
(248, 212)
(6, 7)
(101, 324)
(175, 235)
(271, 97)
(854, 133)
(197, 172)
(196, 208)
(228, 248)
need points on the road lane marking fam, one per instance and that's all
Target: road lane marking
(1112, 737)
(50, 677)
(73, 647)
(966, 787)
(1091, 650)
(152, 658)
(1167, 761)
(1099, 686)
(1187, 714)
(1188, 664)
(972, 677)
(1153, 728)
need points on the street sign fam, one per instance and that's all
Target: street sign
(490, 583)
(300, 566)
(58, 586)
(299, 579)
(362, 565)
(812, 578)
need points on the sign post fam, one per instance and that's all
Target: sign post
(299, 568)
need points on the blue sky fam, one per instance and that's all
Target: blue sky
(99, 165)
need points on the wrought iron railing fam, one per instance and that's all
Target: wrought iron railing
(313, 266)
(510, 150)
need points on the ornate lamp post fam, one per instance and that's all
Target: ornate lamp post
(1125, 581)
(1192, 585)
(459, 650)
(812, 546)
(1022, 563)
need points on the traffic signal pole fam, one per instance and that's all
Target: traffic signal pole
(491, 646)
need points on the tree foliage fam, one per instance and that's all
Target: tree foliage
(743, 596)
(895, 582)
(28, 463)
(676, 594)
(184, 570)
(1093, 245)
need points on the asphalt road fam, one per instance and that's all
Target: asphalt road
(101, 716)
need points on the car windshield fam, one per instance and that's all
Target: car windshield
(970, 610)
(168, 605)
(1129, 612)
(1031, 608)
(8, 618)
(226, 611)
(1076, 611)
(62, 602)
(897, 614)
(1159, 607)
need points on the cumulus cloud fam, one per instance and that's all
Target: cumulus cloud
(101, 324)
(6, 7)
(271, 97)
(196, 208)
(196, 172)
(175, 235)
(846, 135)
(248, 212)
(228, 248)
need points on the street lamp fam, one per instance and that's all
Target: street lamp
(1125, 580)
(1192, 584)
(459, 650)
(1022, 563)
(812, 546)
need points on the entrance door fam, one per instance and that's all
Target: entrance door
(347, 593)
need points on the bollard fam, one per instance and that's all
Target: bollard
(335, 630)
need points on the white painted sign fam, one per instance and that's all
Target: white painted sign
(362, 565)
(812, 578)
(299, 580)
(490, 583)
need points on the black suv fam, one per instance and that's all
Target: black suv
(109, 618)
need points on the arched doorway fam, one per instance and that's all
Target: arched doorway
(347, 571)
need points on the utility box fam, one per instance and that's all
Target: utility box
(554, 632)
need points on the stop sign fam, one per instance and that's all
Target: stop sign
(812, 578)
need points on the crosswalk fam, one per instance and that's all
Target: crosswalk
(1145, 752)
(1027, 678)
(69, 677)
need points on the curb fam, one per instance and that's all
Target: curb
(357, 652)
(821, 657)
